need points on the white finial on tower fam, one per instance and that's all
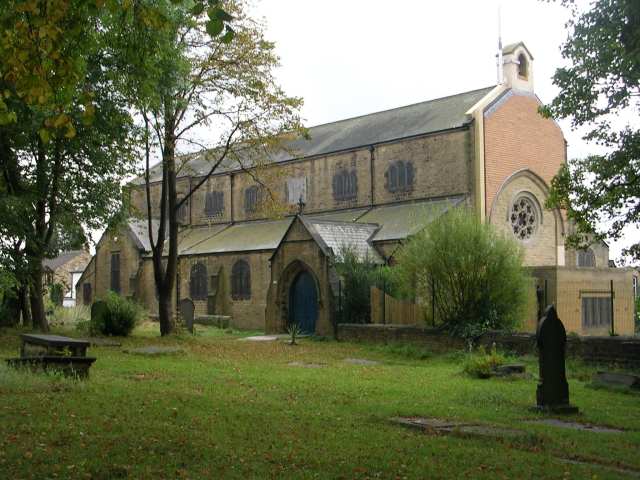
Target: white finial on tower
(500, 76)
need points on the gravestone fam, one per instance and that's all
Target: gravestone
(98, 312)
(187, 311)
(553, 390)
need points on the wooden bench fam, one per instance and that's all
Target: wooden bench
(54, 352)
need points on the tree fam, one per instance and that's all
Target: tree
(473, 273)
(64, 132)
(601, 193)
(188, 75)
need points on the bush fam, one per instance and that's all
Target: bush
(56, 294)
(120, 316)
(357, 277)
(70, 315)
(481, 364)
(471, 272)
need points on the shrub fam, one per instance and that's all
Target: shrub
(471, 272)
(70, 315)
(56, 294)
(357, 277)
(481, 364)
(120, 316)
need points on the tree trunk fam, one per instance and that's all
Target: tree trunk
(167, 324)
(10, 308)
(23, 298)
(37, 301)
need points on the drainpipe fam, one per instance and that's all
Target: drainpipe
(372, 172)
(231, 182)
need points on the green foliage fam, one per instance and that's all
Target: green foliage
(358, 275)
(293, 330)
(481, 364)
(120, 316)
(597, 90)
(56, 294)
(70, 316)
(474, 274)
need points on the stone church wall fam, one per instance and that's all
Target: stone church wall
(246, 314)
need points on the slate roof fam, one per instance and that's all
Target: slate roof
(351, 215)
(139, 229)
(244, 237)
(401, 221)
(337, 236)
(426, 117)
(55, 263)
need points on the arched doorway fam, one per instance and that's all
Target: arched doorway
(303, 302)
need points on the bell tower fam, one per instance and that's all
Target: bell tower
(517, 67)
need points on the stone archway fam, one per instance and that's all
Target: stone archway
(303, 303)
(298, 279)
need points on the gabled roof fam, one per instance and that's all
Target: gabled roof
(401, 221)
(508, 49)
(139, 230)
(337, 236)
(243, 237)
(404, 122)
(65, 257)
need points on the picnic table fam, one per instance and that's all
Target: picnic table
(54, 352)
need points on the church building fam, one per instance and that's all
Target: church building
(368, 183)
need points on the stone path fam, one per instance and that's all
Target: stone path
(155, 350)
(577, 426)
(361, 361)
(306, 365)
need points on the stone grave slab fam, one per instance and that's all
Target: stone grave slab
(155, 351)
(440, 426)
(508, 370)
(361, 361)
(617, 380)
(103, 342)
(306, 365)
(577, 426)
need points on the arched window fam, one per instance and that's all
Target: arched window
(345, 185)
(522, 66)
(198, 282)
(586, 258)
(213, 204)
(183, 211)
(400, 177)
(241, 281)
(251, 199)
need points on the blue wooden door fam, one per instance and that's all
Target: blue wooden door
(303, 303)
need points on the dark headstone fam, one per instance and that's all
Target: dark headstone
(99, 312)
(187, 311)
(553, 389)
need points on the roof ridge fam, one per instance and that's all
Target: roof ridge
(401, 107)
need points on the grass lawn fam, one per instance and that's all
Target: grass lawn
(235, 409)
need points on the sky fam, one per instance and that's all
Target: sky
(352, 57)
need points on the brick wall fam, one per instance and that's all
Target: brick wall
(611, 350)
(517, 137)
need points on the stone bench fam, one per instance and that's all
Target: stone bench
(54, 352)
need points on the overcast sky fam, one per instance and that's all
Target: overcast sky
(353, 57)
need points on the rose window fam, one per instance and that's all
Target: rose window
(523, 218)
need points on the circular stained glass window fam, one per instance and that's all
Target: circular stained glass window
(524, 218)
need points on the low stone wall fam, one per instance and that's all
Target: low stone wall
(623, 351)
